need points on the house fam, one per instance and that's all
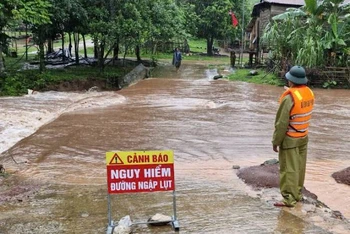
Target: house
(261, 15)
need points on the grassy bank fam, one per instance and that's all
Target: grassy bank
(259, 76)
(14, 84)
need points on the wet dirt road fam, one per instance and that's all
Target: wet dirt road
(211, 125)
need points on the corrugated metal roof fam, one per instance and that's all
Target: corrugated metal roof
(286, 2)
(264, 3)
(295, 2)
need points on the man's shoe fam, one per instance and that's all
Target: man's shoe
(282, 204)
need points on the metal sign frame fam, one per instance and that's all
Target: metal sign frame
(118, 158)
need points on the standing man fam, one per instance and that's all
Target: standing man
(177, 57)
(290, 138)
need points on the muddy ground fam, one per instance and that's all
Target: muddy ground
(15, 192)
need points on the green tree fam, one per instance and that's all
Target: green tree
(166, 22)
(102, 27)
(133, 23)
(6, 15)
(126, 25)
(34, 12)
(214, 21)
(76, 24)
(60, 19)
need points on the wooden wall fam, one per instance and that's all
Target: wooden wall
(266, 15)
(264, 19)
(278, 9)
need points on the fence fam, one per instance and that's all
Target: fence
(340, 76)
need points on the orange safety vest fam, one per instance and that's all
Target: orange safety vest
(300, 114)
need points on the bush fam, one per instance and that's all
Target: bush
(13, 85)
(18, 83)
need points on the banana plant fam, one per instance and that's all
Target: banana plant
(304, 35)
(334, 37)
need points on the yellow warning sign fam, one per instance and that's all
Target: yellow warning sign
(139, 157)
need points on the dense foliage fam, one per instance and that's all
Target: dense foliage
(315, 35)
(122, 25)
(34, 12)
(117, 27)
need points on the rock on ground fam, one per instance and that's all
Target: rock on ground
(342, 176)
(265, 176)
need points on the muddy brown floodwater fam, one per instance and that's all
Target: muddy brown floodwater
(57, 175)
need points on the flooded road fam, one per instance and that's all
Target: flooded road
(210, 125)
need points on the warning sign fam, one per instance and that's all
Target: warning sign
(115, 160)
(140, 171)
(139, 157)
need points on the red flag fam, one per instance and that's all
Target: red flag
(234, 19)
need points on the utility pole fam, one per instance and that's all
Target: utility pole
(242, 43)
(27, 37)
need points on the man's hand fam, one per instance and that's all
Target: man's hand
(275, 148)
